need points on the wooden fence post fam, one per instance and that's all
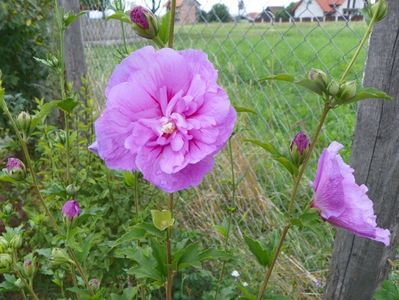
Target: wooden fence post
(75, 66)
(359, 265)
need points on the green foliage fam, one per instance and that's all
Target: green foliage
(24, 34)
(389, 290)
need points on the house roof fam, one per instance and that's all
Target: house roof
(326, 5)
(178, 3)
(253, 15)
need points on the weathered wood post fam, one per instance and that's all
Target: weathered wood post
(75, 66)
(359, 265)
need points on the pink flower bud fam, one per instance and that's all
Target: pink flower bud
(138, 17)
(301, 142)
(14, 164)
(71, 209)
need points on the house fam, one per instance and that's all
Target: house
(187, 11)
(252, 16)
(327, 8)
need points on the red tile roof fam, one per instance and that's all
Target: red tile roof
(326, 5)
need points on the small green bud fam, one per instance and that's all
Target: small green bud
(24, 121)
(318, 75)
(72, 189)
(19, 283)
(4, 245)
(379, 9)
(346, 91)
(5, 261)
(333, 87)
(60, 257)
(16, 241)
(162, 219)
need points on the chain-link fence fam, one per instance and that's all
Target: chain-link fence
(246, 46)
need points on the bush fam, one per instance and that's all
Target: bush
(24, 35)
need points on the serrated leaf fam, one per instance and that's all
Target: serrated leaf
(369, 93)
(70, 17)
(44, 111)
(159, 253)
(281, 77)
(164, 28)
(120, 16)
(263, 256)
(138, 232)
(286, 163)
(241, 109)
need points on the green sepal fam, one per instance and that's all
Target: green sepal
(162, 219)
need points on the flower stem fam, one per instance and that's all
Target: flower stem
(359, 48)
(27, 284)
(172, 23)
(124, 38)
(169, 281)
(292, 201)
(80, 270)
(230, 217)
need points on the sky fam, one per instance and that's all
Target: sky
(250, 5)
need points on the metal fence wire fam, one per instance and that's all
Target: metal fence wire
(244, 48)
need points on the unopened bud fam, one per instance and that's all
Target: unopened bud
(19, 283)
(299, 147)
(72, 189)
(4, 244)
(16, 241)
(94, 283)
(29, 268)
(24, 121)
(346, 91)
(60, 257)
(15, 168)
(5, 261)
(379, 9)
(318, 75)
(71, 209)
(145, 23)
(333, 88)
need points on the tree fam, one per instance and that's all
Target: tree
(155, 4)
(203, 16)
(94, 4)
(219, 13)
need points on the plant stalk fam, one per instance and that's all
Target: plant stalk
(292, 201)
(172, 23)
(169, 281)
(229, 221)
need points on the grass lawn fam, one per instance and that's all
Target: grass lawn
(243, 53)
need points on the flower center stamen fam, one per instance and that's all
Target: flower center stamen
(168, 128)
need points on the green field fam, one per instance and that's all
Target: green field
(243, 53)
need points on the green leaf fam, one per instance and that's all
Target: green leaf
(276, 155)
(369, 93)
(68, 104)
(164, 28)
(211, 253)
(241, 109)
(263, 256)
(189, 256)
(221, 230)
(246, 294)
(138, 232)
(121, 16)
(70, 17)
(159, 253)
(129, 179)
(281, 77)
(45, 109)
(162, 219)
(267, 146)
(147, 265)
(6, 178)
(387, 291)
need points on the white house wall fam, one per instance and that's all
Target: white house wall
(308, 9)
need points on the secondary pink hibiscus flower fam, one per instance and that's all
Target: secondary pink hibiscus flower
(165, 116)
(341, 201)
